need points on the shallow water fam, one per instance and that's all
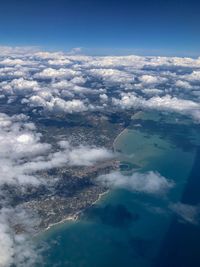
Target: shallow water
(127, 228)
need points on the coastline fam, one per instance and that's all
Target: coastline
(76, 216)
(69, 218)
(100, 197)
(122, 132)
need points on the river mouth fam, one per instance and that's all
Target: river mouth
(126, 228)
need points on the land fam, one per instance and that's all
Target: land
(75, 188)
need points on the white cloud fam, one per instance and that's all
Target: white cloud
(49, 55)
(167, 103)
(59, 62)
(51, 73)
(103, 97)
(183, 84)
(75, 51)
(19, 86)
(22, 153)
(86, 156)
(128, 100)
(152, 91)
(112, 75)
(17, 50)
(12, 62)
(170, 103)
(58, 105)
(149, 79)
(150, 182)
(16, 248)
(61, 82)
(194, 76)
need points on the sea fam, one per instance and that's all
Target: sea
(132, 229)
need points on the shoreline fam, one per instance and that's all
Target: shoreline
(75, 217)
(114, 142)
(69, 218)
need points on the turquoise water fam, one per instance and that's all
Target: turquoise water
(127, 228)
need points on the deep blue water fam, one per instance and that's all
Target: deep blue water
(181, 246)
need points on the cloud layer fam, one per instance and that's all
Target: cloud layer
(57, 82)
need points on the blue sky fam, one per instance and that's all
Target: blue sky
(103, 27)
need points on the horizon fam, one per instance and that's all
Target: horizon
(95, 52)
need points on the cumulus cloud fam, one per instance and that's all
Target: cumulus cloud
(112, 76)
(152, 91)
(19, 143)
(84, 155)
(16, 245)
(194, 76)
(50, 73)
(67, 82)
(59, 62)
(18, 50)
(22, 155)
(166, 103)
(183, 84)
(149, 79)
(57, 105)
(19, 86)
(150, 182)
(128, 100)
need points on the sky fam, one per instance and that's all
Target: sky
(103, 27)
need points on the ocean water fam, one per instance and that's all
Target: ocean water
(133, 229)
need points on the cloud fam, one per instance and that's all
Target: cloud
(59, 62)
(75, 51)
(183, 84)
(149, 79)
(22, 155)
(128, 100)
(103, 98)
(63, 82)
(16, 246)
(18, 50)
(150, 182)
(12, 62)
(91, 154)
(187, 213)
(170, 103)
(19, 87)
(194, 76)
(57, 105)
(51, 73)
(112, 76)
(165, 103)
(19, 142)
(152, 91)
